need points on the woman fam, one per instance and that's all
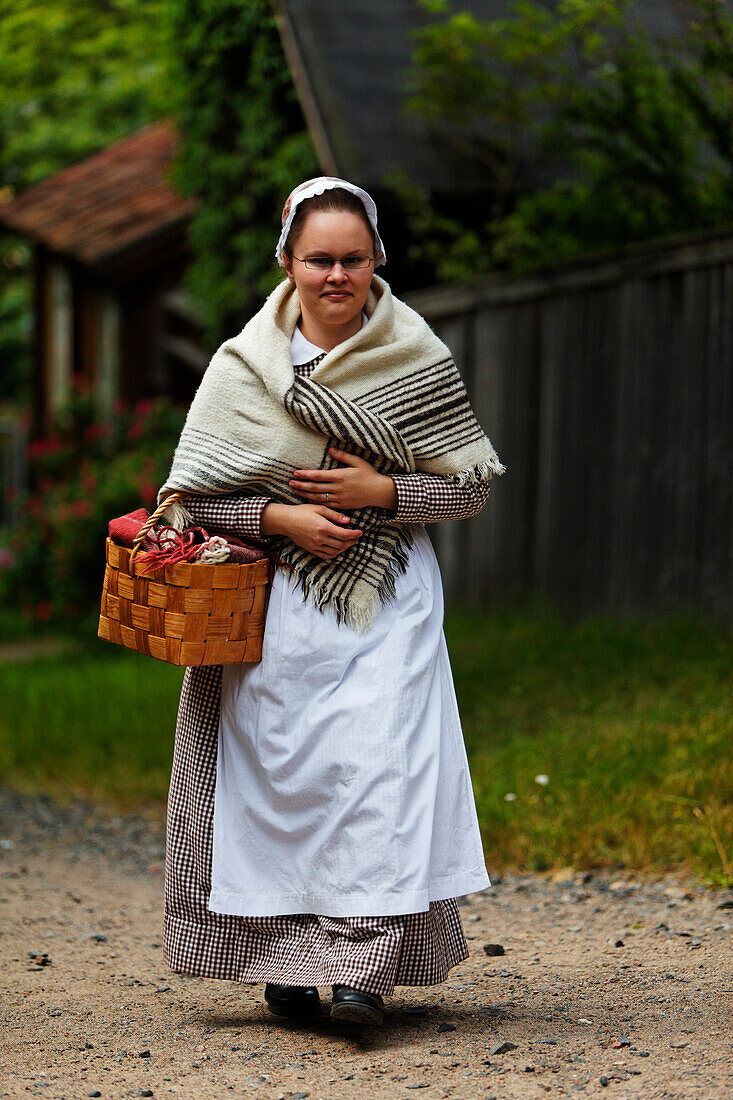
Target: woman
(321, 820)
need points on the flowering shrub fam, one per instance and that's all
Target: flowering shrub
(82, 474)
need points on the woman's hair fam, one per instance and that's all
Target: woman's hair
(337, 200)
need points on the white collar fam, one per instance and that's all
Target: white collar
(303, 351)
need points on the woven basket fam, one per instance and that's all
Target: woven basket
(186, 614)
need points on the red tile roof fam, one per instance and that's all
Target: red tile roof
(101, 206)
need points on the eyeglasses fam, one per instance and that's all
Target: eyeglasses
(326, 263)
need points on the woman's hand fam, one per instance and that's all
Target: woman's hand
(319, 530)
(356, 485)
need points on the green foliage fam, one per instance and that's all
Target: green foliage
(82, 724)
(244, 149)
(441, 246)
(84, 473)
(73, 78)
(637, 129)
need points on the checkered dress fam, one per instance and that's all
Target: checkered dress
(373, 953)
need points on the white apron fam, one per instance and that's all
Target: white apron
(342, 782)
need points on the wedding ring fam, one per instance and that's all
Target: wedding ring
(327, 495)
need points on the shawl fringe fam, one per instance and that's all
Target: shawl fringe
(177, 517)
(359, 617)
(482, 471)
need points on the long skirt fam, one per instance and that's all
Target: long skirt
(416, 943)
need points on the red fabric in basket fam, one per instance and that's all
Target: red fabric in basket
(124, 529)
(178, 546)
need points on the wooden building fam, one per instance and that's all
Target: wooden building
(109, 237)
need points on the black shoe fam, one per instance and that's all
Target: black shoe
(357, 1007)
(294, 1001)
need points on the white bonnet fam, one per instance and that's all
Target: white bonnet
(316, 187)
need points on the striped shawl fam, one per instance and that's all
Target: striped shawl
(390, 394)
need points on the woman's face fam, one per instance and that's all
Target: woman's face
(337, 296)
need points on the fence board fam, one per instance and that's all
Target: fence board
(504, 399)
(606, 386)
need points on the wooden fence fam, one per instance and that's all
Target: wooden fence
(606, 387)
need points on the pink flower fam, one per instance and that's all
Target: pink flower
(43, 611)
(144, 407)
(80, 508)
(137, 428)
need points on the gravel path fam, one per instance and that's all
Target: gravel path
(608, 986)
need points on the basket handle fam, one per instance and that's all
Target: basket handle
(150, 522)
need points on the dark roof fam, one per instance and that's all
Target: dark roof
(105, 206)
(350, 59)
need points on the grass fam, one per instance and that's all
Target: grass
(631, 723)
(98, 723)
(14, 626)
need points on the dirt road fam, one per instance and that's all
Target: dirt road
(609, 986)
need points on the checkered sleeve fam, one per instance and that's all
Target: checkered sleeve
(236, 515)
(430, 498)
